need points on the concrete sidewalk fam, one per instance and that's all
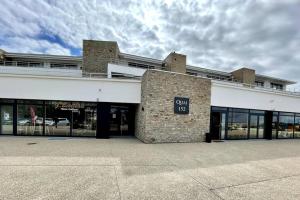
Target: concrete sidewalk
(82, 168)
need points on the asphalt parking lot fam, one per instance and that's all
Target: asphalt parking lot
(125, 168)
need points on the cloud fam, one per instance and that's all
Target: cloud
(222, 35)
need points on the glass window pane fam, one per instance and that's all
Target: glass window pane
(238, 126)
(297, 127)
(261, 126)
(214, 108)
(286, 125)
(30, 119)
(257, 111)
(274, 124)
(84, 121)
(253, 126)
(6, 119)
(57, 120)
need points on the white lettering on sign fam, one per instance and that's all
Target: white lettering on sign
(181, 105)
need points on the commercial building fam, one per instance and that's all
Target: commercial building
(106, 93)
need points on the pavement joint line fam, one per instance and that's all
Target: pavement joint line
(198, 182)
(86, 165)
(254, 182)
(117, 181)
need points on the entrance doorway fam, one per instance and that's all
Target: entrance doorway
(257, 126)
(119, 121)
(218, 125)
(6, 119)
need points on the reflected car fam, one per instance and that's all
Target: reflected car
(23, 122)
(63, 122)
(39, 121)
(49, 122)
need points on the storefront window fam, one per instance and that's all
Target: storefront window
(30, 119)
(58, 119)
(297, 127)
(84, 120)
(238, 124)
(274, 124)
(286, 125)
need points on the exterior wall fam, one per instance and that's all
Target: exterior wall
(156, 121)
(245, 75)
(235, 95)
(96, 55)
(70, 89)
(176, 63)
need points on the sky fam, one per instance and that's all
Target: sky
(216, 34)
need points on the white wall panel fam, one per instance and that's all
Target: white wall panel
(71, 89)
(125, 70)
(231, 95)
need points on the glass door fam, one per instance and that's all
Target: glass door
(257, 126)
(261, 127)
(218, 125)
(119, 120)
(6, 119)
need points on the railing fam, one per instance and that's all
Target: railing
(38, 64)
(127, 76)
(262, 88)
(104, 75)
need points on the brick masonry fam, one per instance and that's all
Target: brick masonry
(156, 121)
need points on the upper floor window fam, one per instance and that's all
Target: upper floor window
(132, 64)
(277, 86)
(63, 65)
(192, 73)
(259, 83)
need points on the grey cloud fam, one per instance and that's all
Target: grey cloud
(223, 35)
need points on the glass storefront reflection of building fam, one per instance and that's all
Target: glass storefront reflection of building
(84, 121)
(30, 119)
(51, 118)
(274, 125)
(58, 120)
(237, 124)
(6, 119)
(251, 124)
(297, 127)
(286, 125)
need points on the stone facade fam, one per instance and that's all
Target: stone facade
(245, 75)
(175, 62)
(96, 55)
(156, 121)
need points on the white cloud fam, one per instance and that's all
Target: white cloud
(223, 35)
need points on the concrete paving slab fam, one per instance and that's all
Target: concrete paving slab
(59, 182)
(159, 182)
(284, 188)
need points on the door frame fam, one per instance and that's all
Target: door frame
(257, 115)
(226, 123)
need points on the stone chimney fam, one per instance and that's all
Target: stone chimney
(97, 54)
(175, 62)
(244, 75)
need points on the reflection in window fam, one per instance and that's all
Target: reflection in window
(285, 126)
(274, 124)
(297, 127)
(57, 120)
(238, 125)
(30, 119)
(84, 121)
